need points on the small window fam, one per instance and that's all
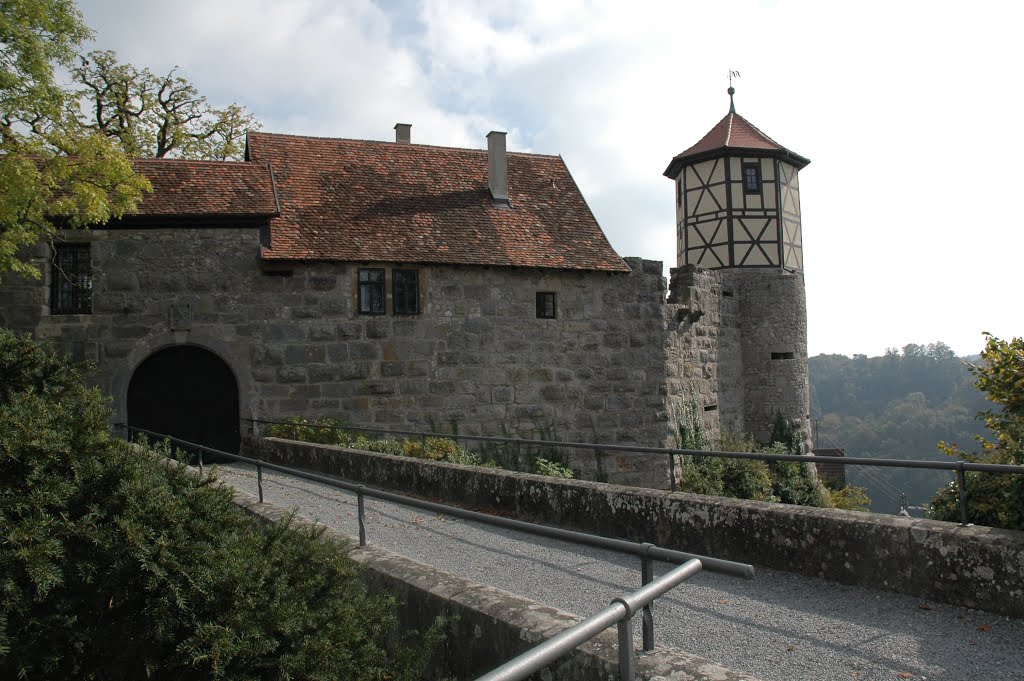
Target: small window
(751, 178)
(782, 355)
(71, 280)
(545, 305)
(405, 291)
(371, 291)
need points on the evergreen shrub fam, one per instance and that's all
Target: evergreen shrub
(116, 564)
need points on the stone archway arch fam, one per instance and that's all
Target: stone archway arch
(186, 389)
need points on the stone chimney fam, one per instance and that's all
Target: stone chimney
(497, 168)
(403, 133)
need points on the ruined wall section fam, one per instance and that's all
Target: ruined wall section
(699, 351)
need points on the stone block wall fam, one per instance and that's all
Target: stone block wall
(618, 364)
(772, 320)
(748, 348)
(609, 368)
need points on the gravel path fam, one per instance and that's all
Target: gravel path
(779, 626)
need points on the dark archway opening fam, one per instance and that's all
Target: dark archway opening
(189, 393)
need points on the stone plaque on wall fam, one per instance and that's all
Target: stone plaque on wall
(181, 318)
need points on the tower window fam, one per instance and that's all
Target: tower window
(71, 280)
(545, 305)
(751, 178)
(371, 291)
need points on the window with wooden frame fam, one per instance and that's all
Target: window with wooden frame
(751, 178)
(371, 291)
(546, 305)
(405, 292)
(71, 279)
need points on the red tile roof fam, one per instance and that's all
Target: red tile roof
(734, 133)
(206, 188)
(353, 200)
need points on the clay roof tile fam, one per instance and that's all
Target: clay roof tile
(355, 200)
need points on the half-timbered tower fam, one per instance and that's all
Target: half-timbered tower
(738, 214)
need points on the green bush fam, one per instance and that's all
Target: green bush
(993, 499)
(320, 431)
(789, 482)
(553, 469)
(117, 564)
(331, 432)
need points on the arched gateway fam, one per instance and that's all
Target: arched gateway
(189, 393)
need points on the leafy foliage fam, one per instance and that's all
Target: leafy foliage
(53, 173)
(993, 499)
(332, 432)
(690, 432)
(116, 564)
(788, 482)
(155, 116)
(542, 466)
(896, 406)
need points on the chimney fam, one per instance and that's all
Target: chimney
(497, 168)
(403, 133)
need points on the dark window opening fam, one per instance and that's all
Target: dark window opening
(405, 291)
(726, 293)
(751, 178)
(371, 291)
(782, 355)
(71, 280)
(545, 305)
(711, 407)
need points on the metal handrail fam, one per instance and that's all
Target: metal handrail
(959, 467)
(620, 612)
(647, 552)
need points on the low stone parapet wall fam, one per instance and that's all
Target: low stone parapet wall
(487, 627)
(976, 567)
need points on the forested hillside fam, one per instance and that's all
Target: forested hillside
(896, 406)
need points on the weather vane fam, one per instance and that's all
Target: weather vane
(732, 90)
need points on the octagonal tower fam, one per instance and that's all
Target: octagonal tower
(738, 214)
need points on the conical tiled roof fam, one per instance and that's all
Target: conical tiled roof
(733, 133)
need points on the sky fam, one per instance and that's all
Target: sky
(906, 109)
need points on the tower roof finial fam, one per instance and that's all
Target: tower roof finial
(732, 90)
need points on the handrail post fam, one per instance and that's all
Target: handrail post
(627, 660)
(200, 459)
(672, 470)
(423, 445)
(259, 480)
(647, 615)
(519, 454)
(362, 515)
(961, 483)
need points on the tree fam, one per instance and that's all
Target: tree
(993, 499)
(53, 173)
(155, 116)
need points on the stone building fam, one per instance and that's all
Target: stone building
(410, 286)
